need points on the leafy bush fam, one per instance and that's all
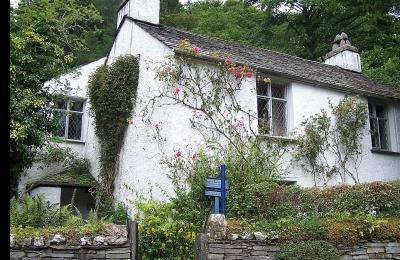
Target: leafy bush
(272, 201)
(162, 234)
(36, 212)
(120, 214)
(308, 250)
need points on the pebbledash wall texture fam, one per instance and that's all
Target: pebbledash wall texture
(260, 250)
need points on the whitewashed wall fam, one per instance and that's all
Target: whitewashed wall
(140, 171)
(51, 194)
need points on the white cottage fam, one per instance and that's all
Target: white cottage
(305, 88)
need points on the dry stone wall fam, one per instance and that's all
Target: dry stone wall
(72, 252)
(114, 242)
(262, 250)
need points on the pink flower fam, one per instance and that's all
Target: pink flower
(306, 130)
(249, 74)
(130, 122)
(240, 68)
(238, 74)
(178, 154)
(157, 126)
(231, 69)
(228, 61)
(238, 124)
(196, 49)
(194, 156)
(177, 90)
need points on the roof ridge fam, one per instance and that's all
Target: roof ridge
(240, 44)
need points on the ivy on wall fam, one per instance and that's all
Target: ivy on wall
(112, 94)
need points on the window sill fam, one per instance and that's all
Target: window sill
(74, 141)
(280, 138)
(375, 150)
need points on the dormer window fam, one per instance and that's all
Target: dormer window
(378, 126)
(272, 108)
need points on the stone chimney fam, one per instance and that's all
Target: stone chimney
(343, 54)
(143, 10)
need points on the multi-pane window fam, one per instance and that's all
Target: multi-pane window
(271, 107)
(378, 126)
(70, 114)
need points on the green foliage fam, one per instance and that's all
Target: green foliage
(272, 201)
(162, 234)
(42, 46)
(120, 214)
(383, 64)
(36, 213)
(341, 139)
(112, 93)
(308, 250)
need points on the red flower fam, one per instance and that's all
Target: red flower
(157, 126)
(238, 74)
(228, 61)
(240, 68)
(177, 90)
(194, 156)
(249, 74)
(178, 154)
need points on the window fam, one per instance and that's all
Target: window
(378, 126)
(70, 112)
(271, 108)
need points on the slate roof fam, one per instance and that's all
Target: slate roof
(274, 63)
(65, 178)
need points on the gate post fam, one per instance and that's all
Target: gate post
(201, 247)
(133, 239)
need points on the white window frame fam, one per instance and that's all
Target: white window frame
(68, 111)
(269, 98)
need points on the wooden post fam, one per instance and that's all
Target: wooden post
(133, 239)
(201, 247)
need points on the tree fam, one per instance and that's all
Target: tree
(45, 37)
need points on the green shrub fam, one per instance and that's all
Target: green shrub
(36, 212)
(274, 201)
(120, 214)
(308, 250)
(162, 234)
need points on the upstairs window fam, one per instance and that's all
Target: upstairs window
(272, 108)
(379, 126)
(70, 114)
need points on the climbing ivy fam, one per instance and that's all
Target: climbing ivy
(112, 93)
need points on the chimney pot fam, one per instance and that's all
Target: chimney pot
(343, 54)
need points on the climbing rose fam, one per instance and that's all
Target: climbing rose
(177, 90)
(240, 68)
(239, 124)
(228, 61)
(238, 74)
(249, 74)
(178, 154)
(196, 49)
(231, 69)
